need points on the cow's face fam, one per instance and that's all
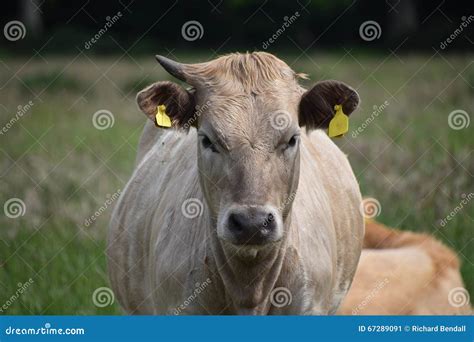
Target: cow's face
(248, 110)
(248, 155)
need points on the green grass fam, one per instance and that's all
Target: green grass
(64, 169)
(53, 81)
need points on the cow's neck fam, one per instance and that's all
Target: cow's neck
(248, 276)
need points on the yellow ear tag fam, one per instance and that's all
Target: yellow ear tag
(161, 118)
(339, 123)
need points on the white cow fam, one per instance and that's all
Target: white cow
(234, 210)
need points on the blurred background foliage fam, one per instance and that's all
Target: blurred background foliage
(425, 23)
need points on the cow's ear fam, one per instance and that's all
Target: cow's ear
(316, 108)
(179, 103)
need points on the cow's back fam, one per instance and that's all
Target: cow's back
(405, 273)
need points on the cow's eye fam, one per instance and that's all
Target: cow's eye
(207, 143)
(292, 141)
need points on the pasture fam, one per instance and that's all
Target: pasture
(68, 168)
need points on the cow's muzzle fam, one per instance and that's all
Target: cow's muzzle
(252, 225)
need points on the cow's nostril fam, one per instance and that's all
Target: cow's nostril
(236, 223)
(270, 223)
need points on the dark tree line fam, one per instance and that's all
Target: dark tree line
(239, 24)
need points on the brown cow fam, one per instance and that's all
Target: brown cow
(405, 273)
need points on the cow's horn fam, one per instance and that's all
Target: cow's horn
(174, 68)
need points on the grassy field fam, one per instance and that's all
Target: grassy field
(64, 169)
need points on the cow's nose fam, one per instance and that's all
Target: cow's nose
(253, 226)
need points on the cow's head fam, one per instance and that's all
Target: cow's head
(248, 110)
